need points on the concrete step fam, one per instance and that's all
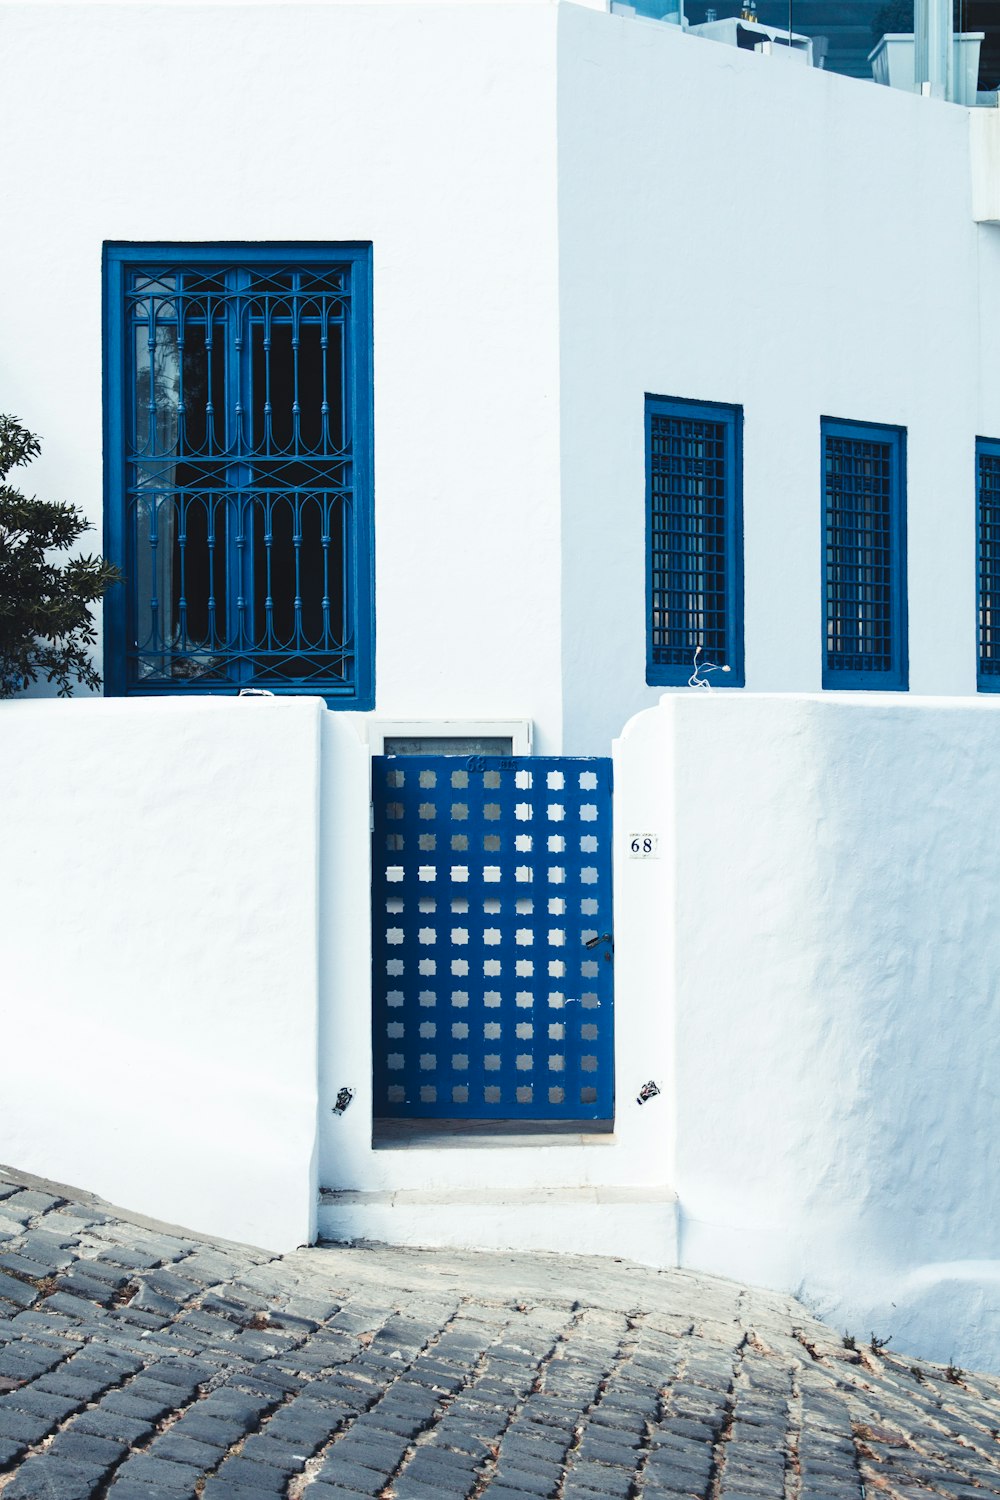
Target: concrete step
(639, 1223)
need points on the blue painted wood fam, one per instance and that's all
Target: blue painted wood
(694, 540)
(238, 413)
(864, 556)
(490, 878)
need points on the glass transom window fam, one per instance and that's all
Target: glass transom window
(238, 415)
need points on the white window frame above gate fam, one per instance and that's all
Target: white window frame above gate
(518, 731)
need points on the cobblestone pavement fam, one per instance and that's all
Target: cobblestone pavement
(142, 1363)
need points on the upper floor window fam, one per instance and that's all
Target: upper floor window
(694, 540)
(238, 443)
(988, 564)
(864, 545)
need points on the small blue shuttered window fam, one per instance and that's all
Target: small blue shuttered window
(988, 564)
(864, 556)
(694, 540)
(238, 469)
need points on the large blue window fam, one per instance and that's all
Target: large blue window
(238, 467)
(694, 540)
(988, 564)
(864, 556)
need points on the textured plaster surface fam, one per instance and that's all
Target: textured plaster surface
(158, 925)
(825, 919)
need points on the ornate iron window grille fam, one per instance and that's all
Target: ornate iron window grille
(988, 564)
(864, 555)
(238, 415)
(694, 539)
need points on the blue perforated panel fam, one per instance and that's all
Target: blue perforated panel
(490, 877)
(988, 547)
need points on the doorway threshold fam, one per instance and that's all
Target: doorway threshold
(410, 1135)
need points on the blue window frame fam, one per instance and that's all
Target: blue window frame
(864, 556)
(694, 540)
(238, 395)
(988, 564)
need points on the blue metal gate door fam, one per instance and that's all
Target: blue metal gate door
(491, 915)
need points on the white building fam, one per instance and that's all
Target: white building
(466, 366)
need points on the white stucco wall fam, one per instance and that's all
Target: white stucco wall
(825, 943)
(158, 932)
(428, 130)
(568, 209)
(734, 229)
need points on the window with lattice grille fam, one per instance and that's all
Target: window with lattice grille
(988, 564)
(864, 546)
(694, 541)
(238, 420)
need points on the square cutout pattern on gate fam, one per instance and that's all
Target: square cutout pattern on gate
(489, 880)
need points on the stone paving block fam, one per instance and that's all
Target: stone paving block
(528, 1481)
(604, 1447)
(300, 1424)
(9, 1450)
(147, 1403)
(243, 1471)
(80, 1309)
(677, 1488)
(532, 1443)
(142, 1468)
(218, 1432)
(218, 1488)
(28, 1202)
(321, 1491)
(42, 1403)
(289, 1458)
(129, 1258)
(430, 1463)
(128, 1489)
(87, 1448)
(601, 1478)
(24, 1426)
(83, 1388)
(352, 1475)
(371, 1449)
(22, 1361)
(269, 1387)
(178, 1447)
(110, 1424)
(465, 1436)
(405, 1488)
(16, 1291)
(45, 1478)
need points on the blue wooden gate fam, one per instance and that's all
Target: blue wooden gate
(492, 949)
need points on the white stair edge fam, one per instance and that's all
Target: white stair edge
(638, 1224)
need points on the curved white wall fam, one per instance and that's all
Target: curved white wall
(829, 888)
(158, 933)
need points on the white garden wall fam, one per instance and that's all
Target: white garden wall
(158, 932)
(821, 929)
